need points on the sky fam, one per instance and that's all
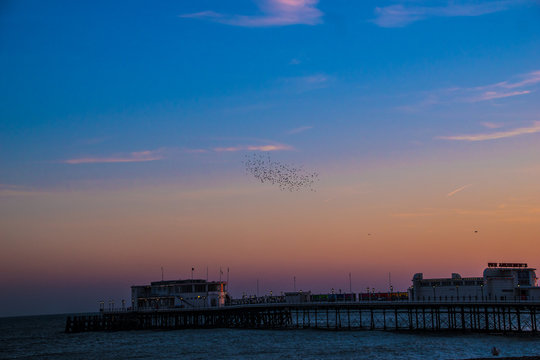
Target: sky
(125, 126)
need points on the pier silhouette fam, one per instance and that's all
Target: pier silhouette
(466, 316)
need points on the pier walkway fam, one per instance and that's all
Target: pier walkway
(492, 317)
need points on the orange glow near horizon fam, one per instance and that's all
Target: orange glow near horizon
(389, 223)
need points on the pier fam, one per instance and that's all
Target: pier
(490, 317)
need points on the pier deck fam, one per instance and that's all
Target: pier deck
(507, 317)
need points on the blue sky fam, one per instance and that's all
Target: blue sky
(184, 74)
(130, 96)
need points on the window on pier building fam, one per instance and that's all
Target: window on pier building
(186, 289)
(523, 277)
(200, 288)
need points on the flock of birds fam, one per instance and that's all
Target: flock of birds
(286, 177)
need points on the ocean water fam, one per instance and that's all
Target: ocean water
(42, 337)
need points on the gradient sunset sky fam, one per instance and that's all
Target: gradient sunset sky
(124, 126)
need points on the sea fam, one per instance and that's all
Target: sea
(43, 337)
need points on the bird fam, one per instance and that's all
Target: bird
(286, 177)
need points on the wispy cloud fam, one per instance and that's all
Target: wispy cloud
(535, 128)
(314, 79)
(295, 61)
(504, 89)
(299, 130)
(404, 14)
(273, 147)
(274, 13)
(519, 85)
(140, 156)
(490, 95)
(491, 125)
(307, 83)
(452, 193)
(528, 79)
(16, 190)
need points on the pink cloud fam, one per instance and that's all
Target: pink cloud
(401, 15)
(140, 156)
(520, 85)
(490, 95)
(299, 130)
(275, 13)
(452, 193)
(535, 128)
(15, 190)
(276, 147)
(491, 125)
(529, 79)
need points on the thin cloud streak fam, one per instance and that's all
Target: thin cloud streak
(530, 79)
(275, 13)
(265, 148)
(140, 156)
(452, 193)
(307, 83)
(299, 130)
(490, 95)
(491, 125)
(401, 15)
(496, 135)
(16, 190)
(498, 90)
(522, 85)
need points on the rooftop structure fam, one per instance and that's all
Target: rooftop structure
(194, 293)
(500, 281)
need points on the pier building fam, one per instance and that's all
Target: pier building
(506, 299)
(500, 281)
(170, 294)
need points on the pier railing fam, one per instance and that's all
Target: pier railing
(474, 316)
